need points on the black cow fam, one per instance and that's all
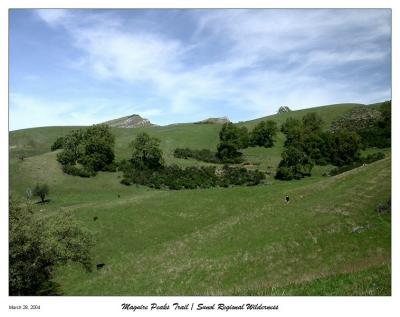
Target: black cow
(100, 265)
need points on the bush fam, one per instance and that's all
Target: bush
(41, 190)
(204, 155)
(123, 165)
(124, 181)
(112, 167)
(384, 207)
(365, 160)
(66, 158)
(176, 178)
(37, 245)
(184, 153)
(77, 171)
(58, 144)
(373, 157)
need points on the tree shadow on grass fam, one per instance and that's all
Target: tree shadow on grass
(46, 201)
(51, 288)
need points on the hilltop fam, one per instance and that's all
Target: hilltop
(220, 120)
(132, 121)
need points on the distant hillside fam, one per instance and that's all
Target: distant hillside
(221, 120)
(132, 121)
(36, 141)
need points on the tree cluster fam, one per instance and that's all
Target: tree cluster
(264, 134)
(363, 160)
(87, 151)
(372, 125)
(37, 246)
(233, 139)
(146, 167)
(176, 178)
(307, 144)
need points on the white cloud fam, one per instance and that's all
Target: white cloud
(45, 112)
(270, 57)
(52, 17)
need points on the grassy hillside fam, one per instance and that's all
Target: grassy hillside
(35, 141)
(38, 140)
(240, 240)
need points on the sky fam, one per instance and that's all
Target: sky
(81, 67)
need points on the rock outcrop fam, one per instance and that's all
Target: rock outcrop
(284, 109)
(221, 120)
(132, 121)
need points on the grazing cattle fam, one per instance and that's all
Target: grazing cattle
(95, 218)
(287, 199)
(99, 266)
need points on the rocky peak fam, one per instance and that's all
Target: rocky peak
(132, 121)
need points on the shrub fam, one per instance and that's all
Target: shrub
(126, 182)
(38, 245)
(176, 178)
(77, 171)
(41, 190)
(58, 144)
(364, 160)
(384, 207)
(123, 165)
(373, 157)
(66, 158)
(111, 167)
(184, 153)
(227, 153)
(204, 155)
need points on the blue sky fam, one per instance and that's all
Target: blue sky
(80, 67)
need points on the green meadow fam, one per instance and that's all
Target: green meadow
(218, 241)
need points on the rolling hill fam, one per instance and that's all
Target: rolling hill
(218, 241)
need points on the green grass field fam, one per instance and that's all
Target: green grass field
(219, 241)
